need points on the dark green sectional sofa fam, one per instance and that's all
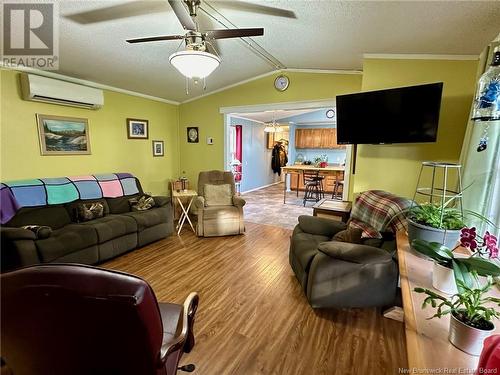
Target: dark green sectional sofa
(90, 242)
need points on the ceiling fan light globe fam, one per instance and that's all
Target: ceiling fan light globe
(194, 64)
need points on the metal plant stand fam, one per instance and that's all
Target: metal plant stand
(439, 191)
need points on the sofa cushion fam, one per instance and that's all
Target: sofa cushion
(120, 205)
(218, 195)
(351, 235)
(142, 203)
(52, 216)
(112, 226)
(149, 218)
(71, 238)
(40, 231)
(90, 211)
(221, 213)
(72, 207)
(305, 247)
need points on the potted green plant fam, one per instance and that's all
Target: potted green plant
(448, 268)
(471, 312)
(435, 223)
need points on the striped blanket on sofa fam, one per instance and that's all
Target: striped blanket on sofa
(60, 190)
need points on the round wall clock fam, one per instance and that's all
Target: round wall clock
(192, 135)
(281, 83)
(330, 113)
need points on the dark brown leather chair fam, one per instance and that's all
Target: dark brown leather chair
(75, 319)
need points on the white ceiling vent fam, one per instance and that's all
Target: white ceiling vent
(49, 90)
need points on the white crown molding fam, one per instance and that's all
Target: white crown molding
(411, 56)
(96, 85)
(248, 119)
(278, 106)
(322, 71)
(291, 70)
(231, 86)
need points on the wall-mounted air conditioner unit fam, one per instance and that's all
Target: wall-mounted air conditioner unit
(49, 90)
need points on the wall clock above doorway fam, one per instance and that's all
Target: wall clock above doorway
(281, 82)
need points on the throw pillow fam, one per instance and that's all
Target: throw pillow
(351, 235)
(218, 195)
(41, 231)
(90, 211)
(142, 203)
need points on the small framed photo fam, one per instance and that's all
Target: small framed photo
(192, 134)
(158, 148)
(137, 129)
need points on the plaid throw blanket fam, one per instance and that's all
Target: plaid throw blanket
(44, 191)
(373, 211)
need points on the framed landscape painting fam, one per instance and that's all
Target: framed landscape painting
(63, 135)
(137, 129)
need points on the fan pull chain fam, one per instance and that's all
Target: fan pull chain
(187, 86)
(204, 84)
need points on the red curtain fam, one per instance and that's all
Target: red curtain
(239, 151)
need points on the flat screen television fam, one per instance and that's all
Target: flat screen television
(399, 115)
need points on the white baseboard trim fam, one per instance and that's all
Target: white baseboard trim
(261, 187)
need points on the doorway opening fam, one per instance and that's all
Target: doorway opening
(304, 131)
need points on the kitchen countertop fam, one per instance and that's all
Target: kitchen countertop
(330, 167)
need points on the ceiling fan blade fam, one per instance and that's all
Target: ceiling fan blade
(206, 23)
(135, 8)
(234, 33)
(182, 14)
(155, 38)
(255, 8)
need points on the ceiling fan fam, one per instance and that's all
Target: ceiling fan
(200, 58)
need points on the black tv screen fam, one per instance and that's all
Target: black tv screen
(400, 115)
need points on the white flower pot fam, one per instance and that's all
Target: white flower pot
(466, 338)
(443, 279)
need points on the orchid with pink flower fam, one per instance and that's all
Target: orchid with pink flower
(486, 245)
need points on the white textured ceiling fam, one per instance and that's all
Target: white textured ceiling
(325, 35)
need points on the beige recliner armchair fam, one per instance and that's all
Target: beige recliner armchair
(219, 210)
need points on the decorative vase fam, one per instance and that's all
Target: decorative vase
(466, 338)
(443, 279)
(449, 238)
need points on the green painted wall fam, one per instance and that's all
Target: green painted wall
(389, 167)
(111, 150)
(395, 167)
(204, 112)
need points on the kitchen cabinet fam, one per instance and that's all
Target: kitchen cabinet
(316, 138)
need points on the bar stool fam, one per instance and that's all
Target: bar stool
(313, 183)
(338, 183)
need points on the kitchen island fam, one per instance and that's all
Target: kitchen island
(332, 172)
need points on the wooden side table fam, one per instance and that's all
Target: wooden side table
(333, 209)
(189, 196)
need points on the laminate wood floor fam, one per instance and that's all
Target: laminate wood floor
(253, 317)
